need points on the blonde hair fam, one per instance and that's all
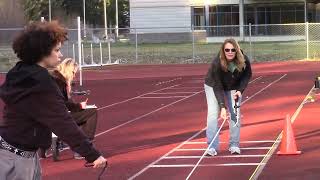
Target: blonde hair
(67, 68)
(239, 60)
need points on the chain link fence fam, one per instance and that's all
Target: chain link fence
(272, 42)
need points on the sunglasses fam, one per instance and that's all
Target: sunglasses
(230, 50)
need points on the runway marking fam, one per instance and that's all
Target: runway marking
(130, 99)
(241, 142)
(162, 97)
(225, 156)
(203, 165)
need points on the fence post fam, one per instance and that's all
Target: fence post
(109, 51)
(250, 41)
(136, 41)
(73, 51)
(100, 54)
(307, 39)
(79, 49)
(82, 53)
(193, 41)
(91, 51)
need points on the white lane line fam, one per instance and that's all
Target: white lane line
(147, 114)
(195, 167)
(256, 148)
(268, 86)
(172, 150)
(226, 156)
(241, 142)
(161, 97)
(204, 149)
(204, 165)
(265, 160)
(175, 93)
(256, 79)
(130, 99)
(188, 88)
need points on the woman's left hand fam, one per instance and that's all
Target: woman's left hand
(84, 104)
(237, 95)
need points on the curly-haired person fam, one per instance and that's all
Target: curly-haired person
(34, 106)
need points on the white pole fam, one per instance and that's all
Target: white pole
(79, 49)
(100, 54)
(91, 54)
(307, 39)
(136, 37)
(84, 19)
(105, 18)
(82, 52)
(250, 41)
(73, 52)
(49, 10)
(193, 41)
(117, 20)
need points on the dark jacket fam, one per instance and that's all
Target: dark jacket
(34, 107)
(222, 81)
(62, 84)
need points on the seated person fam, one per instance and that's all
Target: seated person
(85, 118)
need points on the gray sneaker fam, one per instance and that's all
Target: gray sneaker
(77, 156)
(235, 150)
(211, 152)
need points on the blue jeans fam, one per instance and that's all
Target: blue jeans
(214, 114)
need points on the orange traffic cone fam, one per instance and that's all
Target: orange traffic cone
(288, 142)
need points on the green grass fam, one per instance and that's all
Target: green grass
(182, 52)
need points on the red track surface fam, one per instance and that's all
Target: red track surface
(137, 132)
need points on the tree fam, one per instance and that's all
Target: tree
(34, 9)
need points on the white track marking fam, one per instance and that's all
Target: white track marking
(204, 149)
(265, 160)
(199, 87)
(161, 97)
(204, 165)
(256, 148)
(175, 93)
(256, 79)
(172, 150)
(241, 142)
(226, 156)
(130, 99)
(147, 114)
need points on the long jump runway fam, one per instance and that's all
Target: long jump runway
(152, 126)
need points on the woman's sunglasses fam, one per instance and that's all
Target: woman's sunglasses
(228, 50)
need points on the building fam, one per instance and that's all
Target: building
(167, 20)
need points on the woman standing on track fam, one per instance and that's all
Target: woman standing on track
(34, 106)
(85, 118)
(226, 80)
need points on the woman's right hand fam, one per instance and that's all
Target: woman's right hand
(101, 162)
(223, 113)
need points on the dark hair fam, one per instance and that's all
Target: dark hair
(37, 41)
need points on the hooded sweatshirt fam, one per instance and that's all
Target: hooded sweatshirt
(34, 107)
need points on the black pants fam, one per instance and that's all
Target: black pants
(87, 120)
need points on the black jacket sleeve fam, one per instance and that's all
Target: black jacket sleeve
(72, 106)
(50, 110)
(246, 76)
(216, 84)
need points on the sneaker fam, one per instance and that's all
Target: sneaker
(235, 150)
(77, 156)
(211, 152)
